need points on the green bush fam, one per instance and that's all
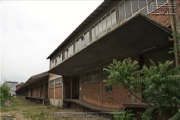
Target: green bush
(4, 93)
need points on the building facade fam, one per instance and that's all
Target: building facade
(35, 88)
(12, 86)
(140, 29)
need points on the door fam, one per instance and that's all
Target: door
(75, 87)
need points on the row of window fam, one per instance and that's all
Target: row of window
(55, 82)
(127, 8)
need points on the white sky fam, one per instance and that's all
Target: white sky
(32, 30)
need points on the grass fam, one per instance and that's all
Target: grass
(30, 110)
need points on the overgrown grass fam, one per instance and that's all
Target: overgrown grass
(31, 110)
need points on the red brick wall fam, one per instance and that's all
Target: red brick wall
(51, 93)
(161, 18)
(91, 92)
(117, 97)
(58, 92)
(114, 99)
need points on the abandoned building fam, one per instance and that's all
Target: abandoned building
(35, 88)
(139, 29)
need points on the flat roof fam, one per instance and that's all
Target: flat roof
(34, 78)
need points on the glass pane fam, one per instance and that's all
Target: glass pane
(96, 31)
(161, 2)
(88, 37)
(113, 17)
(128, 8)
(142, 3)
(93, 35)
(144, 11)
(121, 11)
(104, 24)
(135, 7)
(82, 44)
(150, 7)
(108, 22)
(85, 39)
(149, 1)
(100, 27)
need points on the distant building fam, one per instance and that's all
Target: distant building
(12, 86)
(19, 85)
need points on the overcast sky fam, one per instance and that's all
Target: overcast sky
(32, 30)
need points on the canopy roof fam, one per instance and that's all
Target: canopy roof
(136, 36)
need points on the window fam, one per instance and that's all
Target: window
(142, 3)
(144, 11)
(108, 21)
(93, 34)
(161, 2)
(128, 8)
(100, 27)
(58, 82)
(96, 31)
(51, 84)
(71, 50)
(135, 6)
(92, 76)
(65, 53)
(113, 17)
(104, 24)
(86, 38)
(121, 11)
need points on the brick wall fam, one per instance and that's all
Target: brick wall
(58, 92)
(161, 18)
(51, 93)
(113, 99)
(91, 92)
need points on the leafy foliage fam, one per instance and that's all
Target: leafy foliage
(159, 85)
(128, 115)
(4, 93)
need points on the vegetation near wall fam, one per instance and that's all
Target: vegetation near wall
(158, 84)
(4, 93)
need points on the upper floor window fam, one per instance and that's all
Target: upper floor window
(86, 38)
(104, 24)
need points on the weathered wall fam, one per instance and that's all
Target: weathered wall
(160, 17)
(90, 92)
(58, 92)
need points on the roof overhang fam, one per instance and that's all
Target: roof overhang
(136, 36)
(34, 79)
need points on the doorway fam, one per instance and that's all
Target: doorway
(75, 87)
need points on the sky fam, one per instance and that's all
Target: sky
(32, 30)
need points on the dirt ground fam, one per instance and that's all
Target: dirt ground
(25, 110)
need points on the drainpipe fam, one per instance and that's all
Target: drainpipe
(62, 93)
(175, 28)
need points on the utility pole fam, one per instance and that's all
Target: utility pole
(175, 24)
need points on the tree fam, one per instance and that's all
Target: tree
(159, 85)
(4, 93)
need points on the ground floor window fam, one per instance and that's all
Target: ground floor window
(51, 84)
(92, 76)
(58, 82)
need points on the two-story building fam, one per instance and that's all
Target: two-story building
(140, 29)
